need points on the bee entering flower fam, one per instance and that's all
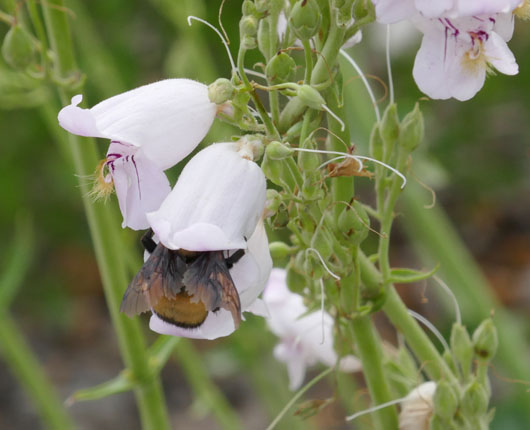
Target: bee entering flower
(212, 260)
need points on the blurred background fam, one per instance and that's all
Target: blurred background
(475, 157)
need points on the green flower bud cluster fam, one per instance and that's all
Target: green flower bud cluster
(18, 48)
(465, 407)
(280, 68)
(220, 91)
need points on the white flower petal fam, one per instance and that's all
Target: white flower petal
(390, 11)
(140, 185)
(500, 56)
(296, 365)
(217, 324)
(167, 119)
(250, 274)
(215, 204)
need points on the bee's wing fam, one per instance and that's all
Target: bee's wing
(160, 276)
(208, 280)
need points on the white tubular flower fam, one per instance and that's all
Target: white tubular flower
(215, 204)
(151, 129)
(301, 342)
(250, 275)
(456, 54)
(417, 408)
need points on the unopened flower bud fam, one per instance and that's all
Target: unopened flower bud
(280, 68)
(248, 8)
(272, 202)
(310, 97)
(264, 38)
(273, 170)
(354, 222)
(279, 250)
(262, 6)
(364, 9)
(445, 400)
(485, 340)
(278, 151)
(376, 143)
(412, 129)
(220, 91)
(18, 48)
(295, 281)
(248, 26)
(390, 125)
(475, 400)
(305, 19)
(462, 347)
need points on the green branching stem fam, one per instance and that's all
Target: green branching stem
(271, 129)
(398, 314)
(41, 33)
(106, 241)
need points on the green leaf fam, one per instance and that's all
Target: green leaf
(405, 276)
(121, 383)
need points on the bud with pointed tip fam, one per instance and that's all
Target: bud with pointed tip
(475, 400)
(485, 340)
(310, 97)
(376, 143)
(17, 48)
(278, 151)
(462, 347)
(445, 400)
(390, 125)
(412, 129)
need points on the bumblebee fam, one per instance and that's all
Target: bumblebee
(181, 287)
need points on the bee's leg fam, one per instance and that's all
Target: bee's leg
(148, 242)
(234, 258)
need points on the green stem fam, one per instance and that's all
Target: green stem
(271, 130)
(371, 355)
(41, 33)
(26, 368)
(398, 314)
(436, 239)
(102, 226)
(308, 61)
(204, 388)
(321, 73)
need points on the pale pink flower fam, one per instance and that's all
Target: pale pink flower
(304, 339)
(456, 54)
(151, 128)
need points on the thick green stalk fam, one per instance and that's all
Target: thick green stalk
(369, 351)
(436, 239)
(26, 368)
(204, 388)
(321, 73)
(398, 314)
(102, 225)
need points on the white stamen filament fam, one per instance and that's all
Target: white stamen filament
(431, 327)
(389, 65)
(191, 17)
(357, 158)
(374, 408)
(254, 73)
(450, 293)
(334, 115)
(364, 81)
(323, 263)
